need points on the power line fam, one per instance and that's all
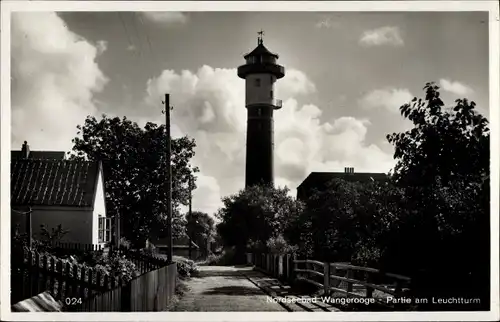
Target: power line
(124, 26)
(147, 37)
(137, 33)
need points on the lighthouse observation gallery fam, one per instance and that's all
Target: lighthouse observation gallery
(260, 73)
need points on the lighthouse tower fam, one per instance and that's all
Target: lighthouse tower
(260, 73)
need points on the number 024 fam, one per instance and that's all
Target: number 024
(73, 300)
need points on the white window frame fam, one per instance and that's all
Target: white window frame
(104, 228)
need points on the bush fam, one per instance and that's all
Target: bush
(185, 267)
(150, 248)
(91, 258)
(256, 246)
(125, 244)
(366, 255)
(278, 245)
(227, 257)
(118, 265)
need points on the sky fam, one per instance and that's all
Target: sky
(347, 74)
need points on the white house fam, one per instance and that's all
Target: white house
(62, 192)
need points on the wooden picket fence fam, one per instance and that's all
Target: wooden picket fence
(86, 289)
(343, 278)
(78, 246)
(143, 262)
(33, 273)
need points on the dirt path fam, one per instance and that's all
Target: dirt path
(224, 288)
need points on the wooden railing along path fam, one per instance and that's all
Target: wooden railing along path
(333, 278)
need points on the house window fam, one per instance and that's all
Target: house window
(104, 230)
(259, 111)
(257, 82)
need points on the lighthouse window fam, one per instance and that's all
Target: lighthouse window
(271, 94)
(257, 82)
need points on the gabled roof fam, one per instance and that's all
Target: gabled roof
(317, 179)
(54, 182)
(38, 155)
(179, 242)
(260, 50)
(184, 242)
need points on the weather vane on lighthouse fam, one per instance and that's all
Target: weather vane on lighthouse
(259, 40)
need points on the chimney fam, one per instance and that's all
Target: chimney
(346, 170)
(25, 150)
(352, 170)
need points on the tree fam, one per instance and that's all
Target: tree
(53, 235)
(200, 228)
(443, 165)
(450, 143)
(348, 221)
(134, 168)
(256, 214)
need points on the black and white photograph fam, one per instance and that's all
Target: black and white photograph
(177, 157)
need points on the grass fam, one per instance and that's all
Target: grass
(180, 290)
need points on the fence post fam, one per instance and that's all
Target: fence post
(349, 283)
(37, 272)
(369, 289)
(280, 266)
(82, 281)
(273, 265)
(59, 265)
(287, 271)
(45, 269)
(398, 289)
(126, 297)
(52, 269)
(326, 279)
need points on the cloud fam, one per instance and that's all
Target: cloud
(166, 17)
(102, 46)
(131, 48)
(54, 78)
(209, 105)
(206, 196)
(295, 83)
(455, 87)
(390, 99)
(327, 23)
(382, 36)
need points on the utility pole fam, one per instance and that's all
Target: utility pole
(168, 182)
(190, 202)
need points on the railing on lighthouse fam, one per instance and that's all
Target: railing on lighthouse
(277, 103)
